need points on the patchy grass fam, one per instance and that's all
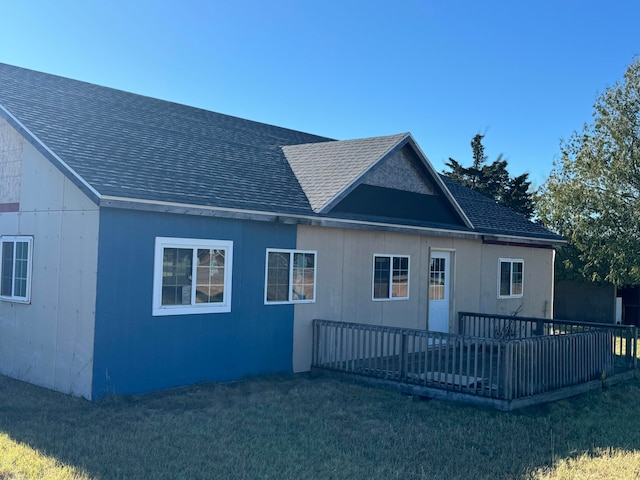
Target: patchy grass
(296, 427)
(603, 464)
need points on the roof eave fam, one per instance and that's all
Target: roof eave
(525, 240)
(326, 208)
(50, 155)
(108, 201)
(439, 182)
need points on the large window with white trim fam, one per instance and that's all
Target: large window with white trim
(192, 276)
(290, 276)
(390, 277)
(15, 268)
(510, 277)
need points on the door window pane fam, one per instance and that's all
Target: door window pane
(437, 279)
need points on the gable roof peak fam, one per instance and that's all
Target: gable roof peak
(326, 169)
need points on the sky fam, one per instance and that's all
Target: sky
(525, 74)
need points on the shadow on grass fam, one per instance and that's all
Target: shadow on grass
(298, 427)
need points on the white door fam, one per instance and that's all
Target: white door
(439, 291)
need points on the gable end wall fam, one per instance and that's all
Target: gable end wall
(48, 342)
(401, 171)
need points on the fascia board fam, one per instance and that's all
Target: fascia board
(108, 201)
(440, 183)
(349, 188)
(66, 170)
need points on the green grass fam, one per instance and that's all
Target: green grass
(295, 427)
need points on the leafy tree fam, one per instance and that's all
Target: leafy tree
(592, 196)
(493, 179)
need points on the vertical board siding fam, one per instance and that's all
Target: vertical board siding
(137, 352)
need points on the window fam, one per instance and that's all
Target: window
(290, 276)
(510, 278)
(437, 278)
(192, 276)
(15, 269)
(390, 277)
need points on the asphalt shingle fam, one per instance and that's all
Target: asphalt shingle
(136, 147)
(128, 145)
(492, 218)
(326, 169)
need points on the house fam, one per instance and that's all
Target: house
(147, 245)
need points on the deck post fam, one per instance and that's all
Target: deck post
(316, 343)
(507, 376)
(634, 348)
(539, 328)
(404, 358)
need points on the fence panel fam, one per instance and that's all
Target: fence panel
(502, 368)
(503, 327)
(440, 360)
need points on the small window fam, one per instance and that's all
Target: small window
(390, 277)
(290, 276)
(192, 276)
(510, 278)
(15, 269)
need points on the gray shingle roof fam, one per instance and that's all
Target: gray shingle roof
(492, 218)
(131, 146)
(326, 169)
(128, 145)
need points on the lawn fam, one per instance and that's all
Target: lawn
(296, 427)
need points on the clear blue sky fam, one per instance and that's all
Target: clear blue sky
(525, 73)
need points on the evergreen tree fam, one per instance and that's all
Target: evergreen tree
(493, 180)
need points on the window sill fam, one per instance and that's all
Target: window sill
(293, 302)
(21, 301)
(190, 310)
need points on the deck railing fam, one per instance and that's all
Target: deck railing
(503, 369)
(502, 327)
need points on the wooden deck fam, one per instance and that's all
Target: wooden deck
(504, 373)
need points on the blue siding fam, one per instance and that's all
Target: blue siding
(135, 352)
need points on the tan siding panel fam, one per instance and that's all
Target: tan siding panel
(345, 263)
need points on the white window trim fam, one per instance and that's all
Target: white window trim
(510, 261)
(18, 239)
(373, 278)
(192, 243)
(291, 253)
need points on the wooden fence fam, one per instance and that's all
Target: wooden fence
(496, 368)
(624, 338)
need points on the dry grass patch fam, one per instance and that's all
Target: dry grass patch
(18, 461)
(603, 464)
